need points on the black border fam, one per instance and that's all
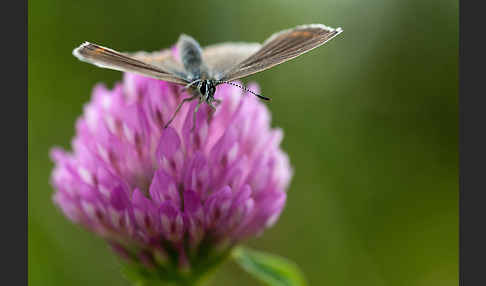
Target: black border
(13, 210)
(472, 144)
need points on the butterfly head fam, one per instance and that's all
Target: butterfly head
(206, 89)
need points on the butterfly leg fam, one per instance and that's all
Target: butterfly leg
(195, 113)
(213, 104)
(178, 108)
(190, 84)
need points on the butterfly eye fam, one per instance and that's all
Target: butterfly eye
(202, 89)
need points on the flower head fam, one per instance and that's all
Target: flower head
(171, 196)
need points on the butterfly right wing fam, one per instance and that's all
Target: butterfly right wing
(281, 47)
(220, 58)
(111, 59)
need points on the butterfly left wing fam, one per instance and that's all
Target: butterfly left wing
(111, 59)
(163, 59)
(281, 47)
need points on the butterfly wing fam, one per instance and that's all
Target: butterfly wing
(189, 64)
(281, 47)
(220, 58)
(111, 59)
(163, 59)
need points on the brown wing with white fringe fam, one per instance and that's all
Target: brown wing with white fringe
(111, 59)
(281, 47)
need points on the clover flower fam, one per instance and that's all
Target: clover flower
(172, 199)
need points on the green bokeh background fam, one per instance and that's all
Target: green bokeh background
(370, 122)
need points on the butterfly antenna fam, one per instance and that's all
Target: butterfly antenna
(247, 90)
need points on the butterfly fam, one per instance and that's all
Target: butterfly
(201, 70)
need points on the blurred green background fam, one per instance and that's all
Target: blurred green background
(370, 121)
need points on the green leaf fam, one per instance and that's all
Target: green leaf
(271, 269)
